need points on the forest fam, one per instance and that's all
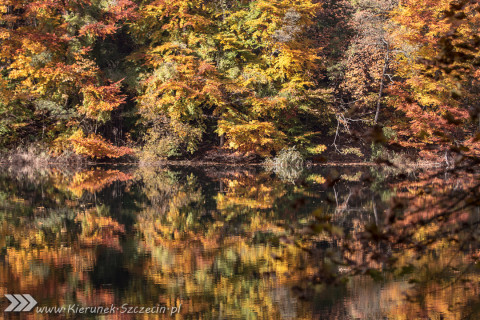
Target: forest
(240, 79)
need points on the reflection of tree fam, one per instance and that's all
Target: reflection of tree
(33, 249)
(220, 252)
(95, 180)
(235, 245)
(435, 239)
(50, 240)
(98, 230)
(428, 235)
(398, 299)
(249, 191)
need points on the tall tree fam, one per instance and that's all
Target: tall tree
(368, 63)
(273, 67)
(181, 84)
(435, 76)
(244, 64)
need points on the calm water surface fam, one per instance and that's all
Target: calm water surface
(208, 242)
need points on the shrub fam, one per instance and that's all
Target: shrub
(288, 164)
(354, 151)
(170, 139)
(316, 150)
(96, 146)
(255, 136)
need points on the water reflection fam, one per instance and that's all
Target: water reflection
(238, 244)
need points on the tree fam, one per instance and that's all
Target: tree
(246, 65)
(49, 76)
(272, 68)
(369, 57)
(181, 85)
(435, 77)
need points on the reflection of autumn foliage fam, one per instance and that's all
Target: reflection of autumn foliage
(197, 258)
(432, 296)
(437, 237)
(30, 267)
(254, 192)
(96, 180)
(52, 253)
(235, 271)
(428, 213)
(429, 234)
(36, 262)
(225, 246)
(29, 263)
(97, 230)
(441, 288)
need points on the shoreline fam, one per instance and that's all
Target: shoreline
(199, 163)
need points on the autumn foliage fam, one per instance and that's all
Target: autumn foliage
(95, 146)
(170, 78)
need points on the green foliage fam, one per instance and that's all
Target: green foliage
(161, 143)
(378, 149)
(390, 133)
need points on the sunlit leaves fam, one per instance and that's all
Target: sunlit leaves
(254, 136)
(98, 102)
(95, 180)
(436, 73)
(240, 63)
(95, 146)
(46, 56)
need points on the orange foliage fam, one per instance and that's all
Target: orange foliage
(97, 100)
(95, 146)
(95, 180)
(436, 79)
(98, 230)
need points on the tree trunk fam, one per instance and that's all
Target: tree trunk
(382, 83)
(222, 140)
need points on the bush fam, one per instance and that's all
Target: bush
(261, 138)
(288, 164)
(401, 163)
(170, 139)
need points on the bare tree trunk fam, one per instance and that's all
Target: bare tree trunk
(222, 140)
(375, 210)
(382, 82)
(223, 4)
(224, 7)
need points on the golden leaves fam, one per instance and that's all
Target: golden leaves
(98, 100)
(98, 230)
(95, 146)
(253, 136)
(95, 180)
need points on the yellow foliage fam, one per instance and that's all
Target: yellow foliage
(253, 136)
(318, 149)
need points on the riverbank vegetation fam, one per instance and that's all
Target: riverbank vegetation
(126, 79)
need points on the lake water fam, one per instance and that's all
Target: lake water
(232, 243)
